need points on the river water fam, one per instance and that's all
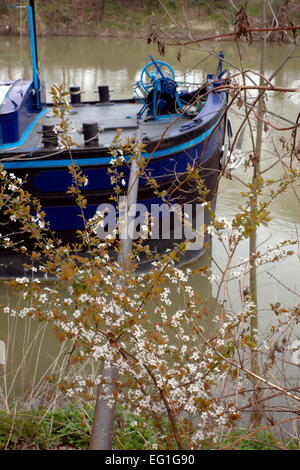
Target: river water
(89, 62)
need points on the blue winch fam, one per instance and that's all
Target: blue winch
(157, 89)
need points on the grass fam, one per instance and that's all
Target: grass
(69, 427)
(119, 16)
(131, 16)
(260, 441)
(253, 8)
(65, 427)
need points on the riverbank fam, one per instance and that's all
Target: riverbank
(120, 18)
(174, 19)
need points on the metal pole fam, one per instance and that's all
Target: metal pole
(104, 416)
(34, 57)
(32, 4)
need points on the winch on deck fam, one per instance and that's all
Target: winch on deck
(157, 89)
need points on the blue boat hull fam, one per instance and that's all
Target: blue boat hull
(197, 143)
(50, 186)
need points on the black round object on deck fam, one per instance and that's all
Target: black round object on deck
(90, 133)
(103, 94)
(75, 94)
(50, 138)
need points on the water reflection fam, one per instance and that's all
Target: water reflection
(92, 61)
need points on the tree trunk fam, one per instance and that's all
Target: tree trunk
(256, 417)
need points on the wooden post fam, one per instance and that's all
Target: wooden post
(255, 417)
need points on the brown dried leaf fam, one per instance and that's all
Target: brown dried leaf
(161, 48)
(242, 25)
(266, 126)
(239, 102)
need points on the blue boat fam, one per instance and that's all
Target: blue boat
(180, 128)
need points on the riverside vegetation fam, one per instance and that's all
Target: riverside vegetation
(131, 17)
(69, 428)
(179, 385)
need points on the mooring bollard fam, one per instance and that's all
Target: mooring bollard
(50, 137)
(103, 94)
(90, 133)
(75, 94)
